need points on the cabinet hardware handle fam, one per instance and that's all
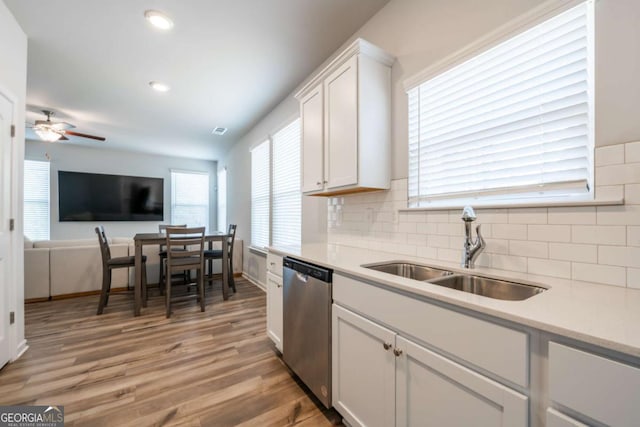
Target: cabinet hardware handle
(386, 346)
(278, 285)
(273, 263)
(326, 182)
(318, 183)
(397, 352)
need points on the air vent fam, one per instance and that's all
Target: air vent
(219, 131)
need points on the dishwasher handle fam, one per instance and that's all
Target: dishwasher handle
(302, 277)
(307, 269)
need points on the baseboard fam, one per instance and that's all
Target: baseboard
(86, 293)
(22, 348)
(32, 300)
(254, 282)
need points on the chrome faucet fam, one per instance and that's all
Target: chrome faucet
(471, 248)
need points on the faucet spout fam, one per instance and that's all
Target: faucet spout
(472, 248)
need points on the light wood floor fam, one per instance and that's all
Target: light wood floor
(216, 368)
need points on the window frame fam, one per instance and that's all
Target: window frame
(270, 142)
(502, 34)
(175, 220)
(25, 202)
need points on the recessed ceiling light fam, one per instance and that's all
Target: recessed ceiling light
(159, 19)
(159, 86)
(219, 131)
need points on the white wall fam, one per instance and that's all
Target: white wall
(79, 158)
(13, 80)
(238, 164)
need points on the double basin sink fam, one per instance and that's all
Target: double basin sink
(479, 285)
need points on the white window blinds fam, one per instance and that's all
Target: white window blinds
(286, 198)
(260, 185)
(222, 199)
(190, 198)
(36, 200)
(514, 122)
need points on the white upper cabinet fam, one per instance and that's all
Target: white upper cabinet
(346, 123)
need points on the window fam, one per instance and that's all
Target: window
(286, 196)
(190, 198)
(513, 124)
(276, 199)
(222, 199)
(260, 183)
(36, 200)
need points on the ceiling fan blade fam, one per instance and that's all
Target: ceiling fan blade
(83, 135)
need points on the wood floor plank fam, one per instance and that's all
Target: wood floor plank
(216, 368)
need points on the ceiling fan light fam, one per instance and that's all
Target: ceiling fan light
(159, 19)
(47, 134)
(159, 86)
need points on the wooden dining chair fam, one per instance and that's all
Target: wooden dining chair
(110, 263)
(163, 256)
(185, 251)
(212, 254)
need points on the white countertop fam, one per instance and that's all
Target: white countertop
(606, 316)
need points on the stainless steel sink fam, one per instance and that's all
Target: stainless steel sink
(492, 288)
(479, 285)
(409, 270)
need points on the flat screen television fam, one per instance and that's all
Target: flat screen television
(100, 197)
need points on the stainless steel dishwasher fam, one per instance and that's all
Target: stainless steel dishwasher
(307, 325)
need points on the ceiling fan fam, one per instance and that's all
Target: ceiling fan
(51, 131)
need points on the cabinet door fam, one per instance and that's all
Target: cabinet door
(341, 114)
(311, 112)
(274, 309)
(363, 370)
(557, 419)
(435, 391)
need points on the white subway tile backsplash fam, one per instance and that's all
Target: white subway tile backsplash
(573, 252)
(497, 246)
(609, 192)
(528, 216)
(618, 215)
(618, 174)
(509, 231)
(529, 249)
(632, 194)
(624, 256)
(438, 241)
(574, 215)
(427, 252)
(450, 255)
(547, 267)
(599, 234)
(549, 233)
(595, 244)
(606, 274)
(610, 155)
(632, 152)
(633, 278)
(508, 262)
(633, 235)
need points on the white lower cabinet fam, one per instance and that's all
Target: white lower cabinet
(363, 370)
(274, 309)
(557, 419)
(383, 379)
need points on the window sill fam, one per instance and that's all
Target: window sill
(258, 251)
(493, 205)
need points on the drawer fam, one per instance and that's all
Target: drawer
(495, 348)
(600, 388)
(274, 263)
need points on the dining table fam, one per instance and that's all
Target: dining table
(142, 239)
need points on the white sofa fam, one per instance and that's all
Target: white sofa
(61, 267)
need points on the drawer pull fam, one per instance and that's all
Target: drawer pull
(386, 346)
(397, 352)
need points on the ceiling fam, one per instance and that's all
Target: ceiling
(228, 63)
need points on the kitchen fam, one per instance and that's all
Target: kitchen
(566, 356)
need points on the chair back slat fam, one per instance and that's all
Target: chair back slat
(231, 238)
(185, 246)
(162, 228)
